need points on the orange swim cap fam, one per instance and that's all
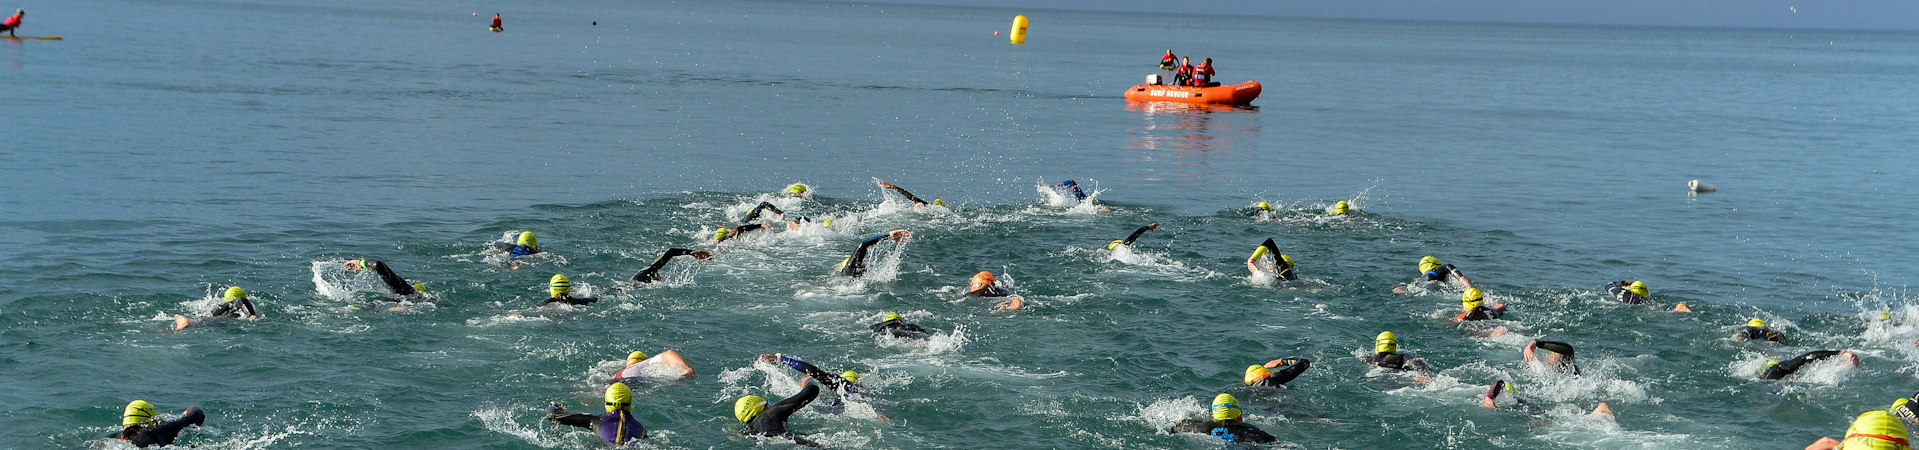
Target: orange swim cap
(982, 279)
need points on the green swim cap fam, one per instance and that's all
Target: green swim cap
(619, 398)
(939, 202)
(1225, 407)
(1756, 323)
(1265, 206)
(235, 293)
(796, 188)
(1386, 342)
(138, 412)
(560, 285)
(1639, 287)
(527, 239)
(1340, 208)
(890, 316)
(748, 407)
(720, 234)
(1115, 244)
(635, 357)
(850, 376)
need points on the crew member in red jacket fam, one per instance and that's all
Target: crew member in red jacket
(13, 22)
(1203, 73)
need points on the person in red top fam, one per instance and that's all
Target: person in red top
(496, 23)
(1166, 65)
(1184, 75)
(13, 22)
(1203, 74)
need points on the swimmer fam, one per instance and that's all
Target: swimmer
(1227, 424)
(1431, 270)
(1774, 370)
(1069, 184)
(236, 305)
(1264, 211)
(762, 420)
(1289, 368)
(1386, 354)
(495, 27)
(1907, 409)
(393, 281)
(844, 383)
(893, 325)
(1559, 356)
(724, 233)
(795, 190)
(616, 427)
(1490, 400)
(141, 427)
(639, 367)
(1630, 292)
(917, 203)
(652, 273)
(1874, 430)
(1135, 236)
(1341, 208)
(1756, 330)
(755, 213)
(561, 289)
(1281, 266)
(1474, 302)
(524, 246)
(855, 266)
(984, 285)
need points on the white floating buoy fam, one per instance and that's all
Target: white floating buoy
(1697, 186)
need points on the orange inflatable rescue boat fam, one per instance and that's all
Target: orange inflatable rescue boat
(1237, 94)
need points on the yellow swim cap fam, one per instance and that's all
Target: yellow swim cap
(1288, 259)
(826, 223)
(748, 407)
(1471, 294)
(527, 239)
(560, 285)
(235, 293)
(1639, 287)
(619, 398)
(635, 357)
(890, 316)
(1265, 206)
(1876, 430)
(138, 412)
(796, 188)
(1386, 342)
(850, 376)
(720, 234)
(1756, 323)
(1340, 208)
(1225, 407)
(419, 287)
(939, 202)
(1115, 244)
(1427, 264)
(1256, 372)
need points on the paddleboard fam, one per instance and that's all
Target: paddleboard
(667, 364)
(38, 38)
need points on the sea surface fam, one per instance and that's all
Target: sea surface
(166, 150)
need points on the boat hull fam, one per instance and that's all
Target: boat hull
(1237, 94)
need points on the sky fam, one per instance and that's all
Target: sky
(1821, 14)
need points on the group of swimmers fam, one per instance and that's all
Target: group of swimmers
(1872, 430)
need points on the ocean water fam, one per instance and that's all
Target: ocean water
(164, 151)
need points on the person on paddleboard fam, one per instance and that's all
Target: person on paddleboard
(652, 273)
(1559, 356)
(496, 24)
(762, 420)
(1386, 354)
(1774, 370)
(1227, 424)
(917, 203)
(1289, 368)
(525, 245)
(1203, 74)
(13, 21)
(140, 425)
(1280, 266)
(234, 306)
(616, 427)
(1756, 330)
(562, 290)
(893, 325)
(855, 266)
(985, 285)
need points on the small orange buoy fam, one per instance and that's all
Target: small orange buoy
(476, 14)
(996, 32)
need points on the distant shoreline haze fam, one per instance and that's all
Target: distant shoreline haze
(1794, 14)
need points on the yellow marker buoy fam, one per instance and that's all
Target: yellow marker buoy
(1019, 29)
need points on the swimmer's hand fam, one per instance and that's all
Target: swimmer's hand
(769, 358)
(1824, 443)
(886, 185)
(1152, 226)
(701, 255)
(898, 235)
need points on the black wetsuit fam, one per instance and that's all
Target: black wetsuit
(741, 229)
(233, 309)
(1397, 361)
(856, 264)
(1627, 296)
(1787, 367)
(568, 299)
(1439, 273)
(1565, 352)
(1483, 313)
(163, 434)
(908, 195)
(392, 280)
(900, 329)
(1285, 269)
(515, 250)
(755, 213)
(650, 272)
(1763, 334)
(831, 380)
(1081, 195)
(615, 428)
(1135, 236)
(1286, 374)
(991, 290)
(773, 421)
(1242, 432)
